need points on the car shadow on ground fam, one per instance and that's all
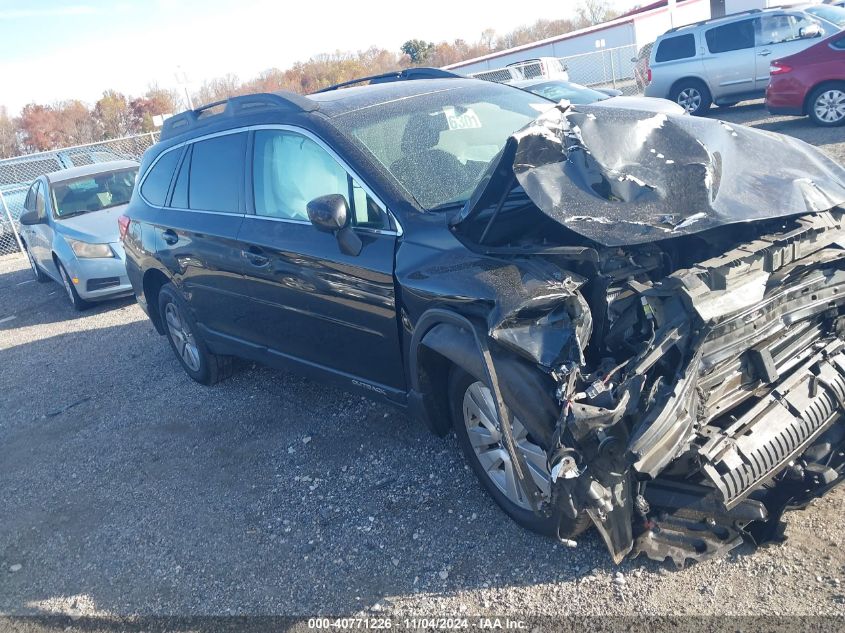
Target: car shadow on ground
(32, 303)
(127, 483)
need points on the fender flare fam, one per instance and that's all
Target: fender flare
(455, 331)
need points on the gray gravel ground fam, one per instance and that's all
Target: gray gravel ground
(125, 488)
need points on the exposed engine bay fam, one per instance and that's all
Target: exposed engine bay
(695, 351)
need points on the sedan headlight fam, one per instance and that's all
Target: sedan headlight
(88, 250)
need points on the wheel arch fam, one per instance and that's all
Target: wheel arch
(695, 78)
(443, 339)
(151, 284)
(805, 108)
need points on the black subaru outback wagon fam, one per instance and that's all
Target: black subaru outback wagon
(629, 319)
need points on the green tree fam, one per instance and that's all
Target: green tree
(417, 50)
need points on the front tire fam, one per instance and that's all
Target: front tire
(40, 277)
(827, 105)
(692, 95)
(477, 428)
(196, 359)
(79, 304)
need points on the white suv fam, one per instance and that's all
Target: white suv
(726, 60)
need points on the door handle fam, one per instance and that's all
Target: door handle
(764, 52)
(256, 257)
(170, 237)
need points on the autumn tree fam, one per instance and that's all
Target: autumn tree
(155, 102)
(8, 135)
(218, 89)
(593, 12)
(114, 115)
(38, 125)
(74, 124)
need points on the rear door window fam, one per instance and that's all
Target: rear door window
(179, 199)
(735, 36)
(678, 47)
(155, 186)
(216, 173)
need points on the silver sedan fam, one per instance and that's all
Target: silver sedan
(70, 231)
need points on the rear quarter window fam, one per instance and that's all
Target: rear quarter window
(678, 47)
(155, 186)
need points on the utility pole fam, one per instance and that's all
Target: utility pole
(182, 80)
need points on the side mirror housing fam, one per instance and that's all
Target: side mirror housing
(810, 31)
(330, 214)
(28, 218)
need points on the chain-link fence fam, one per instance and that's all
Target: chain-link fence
(605, 68)
(16, 175)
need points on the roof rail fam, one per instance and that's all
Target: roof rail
(721, 17)
(234, 106)
(418, 72)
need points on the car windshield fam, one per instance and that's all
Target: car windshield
(829, 13)
(93, 193)
(438, 144)
(575, 93)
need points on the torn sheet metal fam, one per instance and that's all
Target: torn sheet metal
(622, 177)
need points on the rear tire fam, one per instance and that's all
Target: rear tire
(826, 105)
(692, 95)
(79, 304)
(202, 365)
(462, 386)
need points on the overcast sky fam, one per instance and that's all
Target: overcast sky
(52, 50)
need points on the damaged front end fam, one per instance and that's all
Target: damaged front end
(693, 337)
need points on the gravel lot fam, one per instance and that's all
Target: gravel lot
(126, 488)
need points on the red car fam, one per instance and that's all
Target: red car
(811, 83)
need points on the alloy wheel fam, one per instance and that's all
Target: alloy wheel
(485, 436)
(690, 99)
(829, 106)
(182, 337)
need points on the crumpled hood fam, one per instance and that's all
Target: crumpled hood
(620, 176)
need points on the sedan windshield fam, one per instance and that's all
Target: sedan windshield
(558, 90)
(93, 193)
(438, 144)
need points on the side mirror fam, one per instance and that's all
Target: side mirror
(330, 214)
(810, 31)
(28, 218)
